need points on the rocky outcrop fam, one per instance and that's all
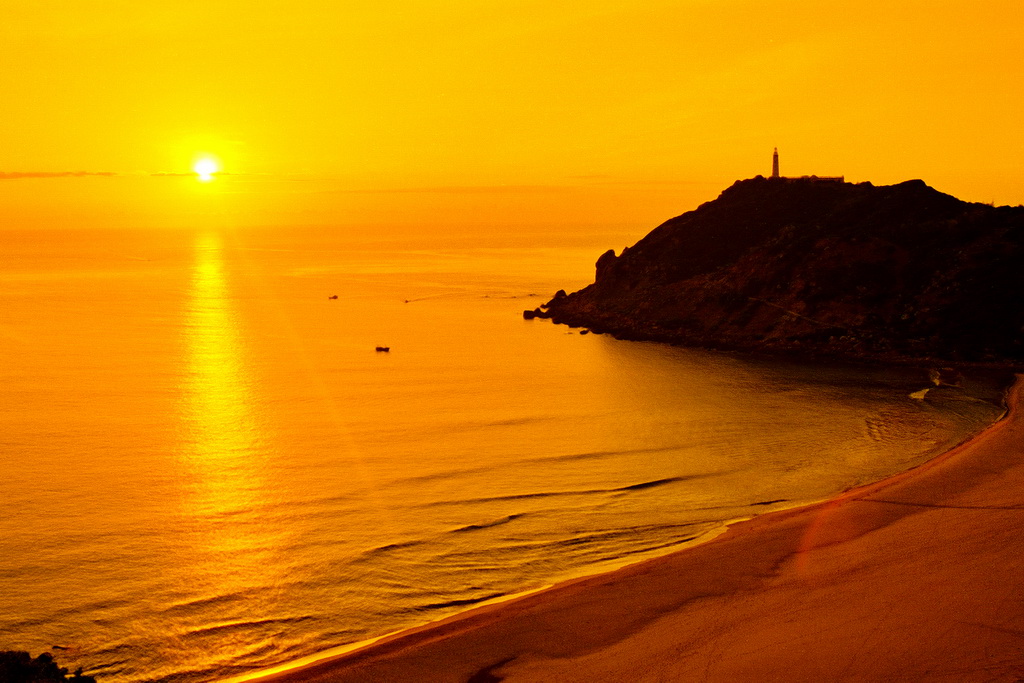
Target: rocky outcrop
(829, 268)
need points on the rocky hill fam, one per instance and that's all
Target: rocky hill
(822, 268)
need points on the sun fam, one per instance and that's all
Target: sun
(205, 168)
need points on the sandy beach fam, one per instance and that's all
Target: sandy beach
(917, 577)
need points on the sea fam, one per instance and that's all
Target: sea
(208, 468)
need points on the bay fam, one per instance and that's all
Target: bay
(209, 469)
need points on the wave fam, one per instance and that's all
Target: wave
(242, 626)
(557, 494)
(380, 550)
(213, 601)
(649, 484)
(487, 525)
(596, 455)
(544, 459)
(651, 548)
(243, 662)
(606, 535)
(609, 539)
(463, 602)
(57, 615)
(739, 506)
(887, 426)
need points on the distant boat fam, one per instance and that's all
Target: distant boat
(383, 349)
(333, 296)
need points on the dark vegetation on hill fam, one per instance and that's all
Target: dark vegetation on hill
(821, 268)
(20, 667)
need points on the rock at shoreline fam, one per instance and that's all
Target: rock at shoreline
(536, 313)
(829, 268)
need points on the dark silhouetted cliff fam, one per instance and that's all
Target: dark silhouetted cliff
(826, 268)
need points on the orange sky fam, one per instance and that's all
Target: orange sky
(494, 113)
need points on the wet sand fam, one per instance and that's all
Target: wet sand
(918, 577)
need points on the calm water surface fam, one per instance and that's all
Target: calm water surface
(208, 469)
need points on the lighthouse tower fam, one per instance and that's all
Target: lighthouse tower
(775, 163)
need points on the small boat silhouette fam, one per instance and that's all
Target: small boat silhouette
(383, 349)
(333, 296)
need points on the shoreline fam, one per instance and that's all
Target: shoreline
(793, 593)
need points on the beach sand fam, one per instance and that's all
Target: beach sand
(919, 577)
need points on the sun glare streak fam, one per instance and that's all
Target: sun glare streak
(223, 429)
(223, 441)
(205, 168)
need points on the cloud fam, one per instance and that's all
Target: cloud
(193, 174)
(461, 189)
(15, 175)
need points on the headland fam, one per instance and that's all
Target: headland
(804, 266)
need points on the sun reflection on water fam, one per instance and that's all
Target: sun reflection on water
(222, 428)
(231, 552)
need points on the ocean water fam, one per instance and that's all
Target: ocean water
(208, 469)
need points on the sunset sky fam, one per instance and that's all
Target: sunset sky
(493, 114)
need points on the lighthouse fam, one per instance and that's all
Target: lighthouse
(775, 163)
